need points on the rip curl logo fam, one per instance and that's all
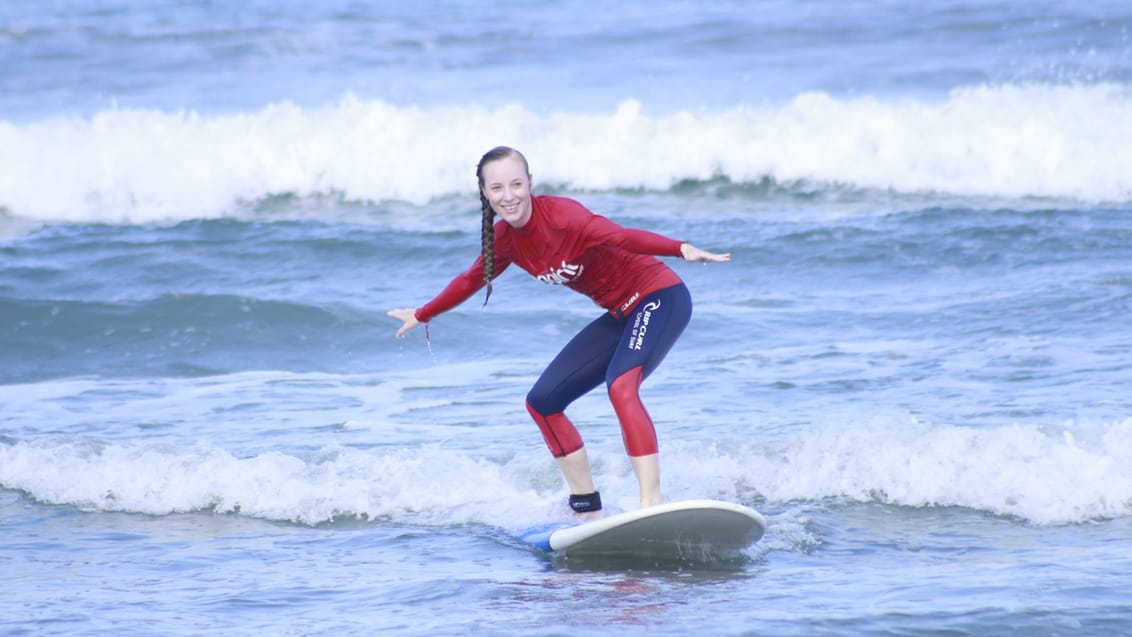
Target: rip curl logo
(641, 325)
(630, 302)
(560, 276)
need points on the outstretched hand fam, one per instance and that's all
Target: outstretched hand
(696, 255)
(408, 318)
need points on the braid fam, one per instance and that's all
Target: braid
(487, 239)
(487, 232)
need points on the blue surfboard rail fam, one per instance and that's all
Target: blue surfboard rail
(539, 536)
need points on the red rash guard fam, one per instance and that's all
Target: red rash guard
(566, 244)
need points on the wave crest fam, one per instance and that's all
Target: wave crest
(137, 166)
(1042, 477)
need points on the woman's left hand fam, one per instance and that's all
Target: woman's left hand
(695, 255)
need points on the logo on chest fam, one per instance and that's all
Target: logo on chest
(566, 273)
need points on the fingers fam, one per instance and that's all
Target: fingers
(696, 255)
(711, 257)
(408, 320)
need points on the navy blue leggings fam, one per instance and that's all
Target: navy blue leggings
(621, 352)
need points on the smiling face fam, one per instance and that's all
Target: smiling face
(506, 183)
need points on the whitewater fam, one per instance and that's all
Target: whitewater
(143, 166)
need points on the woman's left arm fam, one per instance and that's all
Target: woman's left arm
(696, 255)
(647, 242)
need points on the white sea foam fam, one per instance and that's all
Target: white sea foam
(1044, 477)
(1051, 475)
(420, 484)
(134, 165)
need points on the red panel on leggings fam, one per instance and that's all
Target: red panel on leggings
(636, 426)
(560, 434)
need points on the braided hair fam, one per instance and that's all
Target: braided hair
(487, 229)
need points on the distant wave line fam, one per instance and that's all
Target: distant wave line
(139, 165)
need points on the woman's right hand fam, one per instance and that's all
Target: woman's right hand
(408, 318)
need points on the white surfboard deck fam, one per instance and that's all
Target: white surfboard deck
(685, 530)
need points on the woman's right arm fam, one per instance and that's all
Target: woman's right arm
(455, 293)
(460, 289)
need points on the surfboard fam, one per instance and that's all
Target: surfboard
(688, 530)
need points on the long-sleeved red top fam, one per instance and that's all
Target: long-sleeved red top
(564, 243)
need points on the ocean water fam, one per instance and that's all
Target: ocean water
(916, 365)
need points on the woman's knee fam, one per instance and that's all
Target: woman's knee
(541, 401)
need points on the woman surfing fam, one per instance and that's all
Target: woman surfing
(558, 241)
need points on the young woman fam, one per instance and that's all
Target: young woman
(558, 241)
